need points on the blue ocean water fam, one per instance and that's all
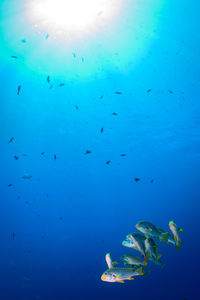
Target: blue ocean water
(132, 88)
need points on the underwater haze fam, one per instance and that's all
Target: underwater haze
(99, 129)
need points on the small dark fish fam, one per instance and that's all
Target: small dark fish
(55, 157)
(108, 162)
(74, 55)
(76, 106)
(10, 184)
(114, 114)
(137, 179)
(101, 97)
(47, 36)
(102, 129)
(25, 155)
(123, 154)
(16, 157)
(170, 91)
(13, 235)
(48, 78)
(18, 89)
(42, 153)
(118, 93)
(23, 41)
(61, 84)
(152, 180)
(60, 218)
(149, 90)
(82, 59)
(11, 140)
(26, 176)
(14, 56)
(88, 152)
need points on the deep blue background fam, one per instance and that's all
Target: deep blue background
(53, 258)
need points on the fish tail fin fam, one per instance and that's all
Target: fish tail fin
(180, 230)
(140, 271)
(165, 237)
(158, 256)
(147, 272)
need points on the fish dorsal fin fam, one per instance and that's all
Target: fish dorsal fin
(180, 230)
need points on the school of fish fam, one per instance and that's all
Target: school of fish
(144, 242)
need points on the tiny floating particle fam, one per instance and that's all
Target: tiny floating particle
(13, 235)
(74, 55)
(118, 93)
(170, 91)
(61, 84)
(102, 129)
(136, 179)
(152, 180)
(108, 162)
(101, 97)
(123, 154)
(114, 113)
(149, 90)
(47, 36)
(10, 184)
(76, 106)
(48, 78)
(60, 218)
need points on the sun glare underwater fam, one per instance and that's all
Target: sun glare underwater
(100, 149)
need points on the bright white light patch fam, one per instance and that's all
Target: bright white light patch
(71, 15)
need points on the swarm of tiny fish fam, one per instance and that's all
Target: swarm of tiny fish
(146, 242)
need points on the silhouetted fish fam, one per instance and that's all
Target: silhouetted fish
(114, 114)
(16, 157)
(170, 91)
(10, 184)
(118, 93)
(123, 154)
(61, 84)
(23, 41)
(149, 90)
(13, 235)
(101, 97)
(14, 56)
(108, 162)
(88, 152)
(152, 180)
(48, 78)
(102, 129)
(55, 157)
(11, 140)
(60, 218)
(137, 179)
(42, 153)
(26, 176)
(76, 106)
(18, 89)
